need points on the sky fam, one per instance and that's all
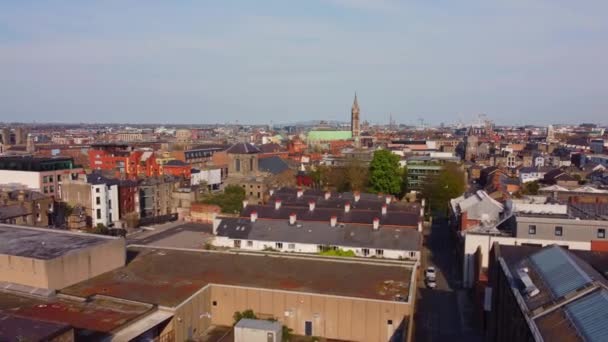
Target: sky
(281, 61)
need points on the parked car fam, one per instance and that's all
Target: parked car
(430, 273)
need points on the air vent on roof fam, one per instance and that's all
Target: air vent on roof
(529, 288)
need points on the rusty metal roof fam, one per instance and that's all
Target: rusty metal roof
(168, 277)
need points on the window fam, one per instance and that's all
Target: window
(251, 164)
(389, 322)
(532, 229)
(365, 251)
(98, 200)
(237, 243)
(97, 190)
(601, 233)
(559, 231)
(249, 243)
(52, 189)
(238, 165)
(59, 178)
(379, 252)
(279, 245)
(50, 179)
(215, 303)
(46, 190)
(45, 179)
(291, 246)
(99, 214)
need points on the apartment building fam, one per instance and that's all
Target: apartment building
(99, 197)
(39, 173)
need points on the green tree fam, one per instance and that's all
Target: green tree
(245, 314)
(530, 188)
(356, 175)
(230, 201)
(447, 184)
(385, 173)
(405, 185)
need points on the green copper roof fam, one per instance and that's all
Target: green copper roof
(329, 135)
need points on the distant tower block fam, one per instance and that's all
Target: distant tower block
(354, 120)
(550, 133)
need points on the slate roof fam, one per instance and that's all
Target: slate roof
(176, 162)
(391, 218)
(320, 233)
(274, 165)
(13, 211)
(243, 148)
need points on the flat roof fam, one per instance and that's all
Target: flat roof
(168, 277)
(42, 243)
(97, 315)
(13, 328)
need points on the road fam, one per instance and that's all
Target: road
(446, 312)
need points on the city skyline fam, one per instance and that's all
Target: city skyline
(517, 61)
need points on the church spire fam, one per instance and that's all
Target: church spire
(355, 103)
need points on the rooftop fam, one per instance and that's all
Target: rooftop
(391, 218)
(12, 328)
(243, 148)
(98, 315)
(168, 277)
(572, 292)
(40, 243)
(321, 233)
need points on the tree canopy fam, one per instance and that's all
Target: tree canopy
(447, 184)
(385, 173)
(230, 201)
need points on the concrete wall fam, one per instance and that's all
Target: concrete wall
(66, 270)
(331, 316)
(484, 242)
(572, 230)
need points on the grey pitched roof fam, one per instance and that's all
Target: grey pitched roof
(274, 165)
(320, 233)
(243, 148)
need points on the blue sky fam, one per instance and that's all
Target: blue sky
(518, 61)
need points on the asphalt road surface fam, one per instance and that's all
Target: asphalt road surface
(446, 312)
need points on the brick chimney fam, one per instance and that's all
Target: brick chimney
(277, 204)
(347, 207)
(254, 216)
(376, 223)
(333, 221)
(311, 205)
(292, 219)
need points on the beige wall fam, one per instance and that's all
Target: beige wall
(66, 270)
(331, 316)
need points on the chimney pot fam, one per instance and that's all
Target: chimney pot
(384, 208)
(311, 205)
(300, 193)
(333, 221)
(292, 219)
(245, 203)
(271, 192)
(357, 196)
(254, 216)
(277, 204)
(347, 207)
(376, 223)
(327, 195)
(388, 199)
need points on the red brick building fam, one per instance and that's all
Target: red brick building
(123, 160)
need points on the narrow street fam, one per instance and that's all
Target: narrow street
(446, 312)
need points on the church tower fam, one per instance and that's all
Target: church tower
(354, 120)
